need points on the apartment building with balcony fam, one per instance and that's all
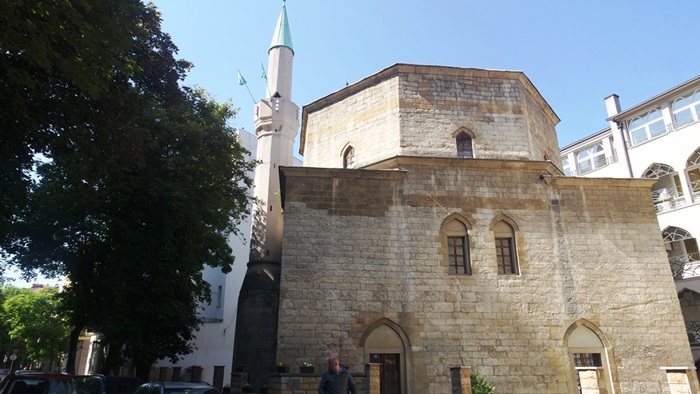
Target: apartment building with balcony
(659, 139)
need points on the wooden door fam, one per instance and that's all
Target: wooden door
(390, 372)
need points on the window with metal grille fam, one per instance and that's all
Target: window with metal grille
(588, 360)
(458, 248)
(506, 258)
(459, 257)
(464, 146)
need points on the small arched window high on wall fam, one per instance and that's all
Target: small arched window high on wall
(349, 157)
(506, 257)
(464, 146)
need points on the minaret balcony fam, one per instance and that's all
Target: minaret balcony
(276, 114)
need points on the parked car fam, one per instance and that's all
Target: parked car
(176, 388)
(101, 384)
(31, 382)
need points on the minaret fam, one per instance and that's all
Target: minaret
(276, 124)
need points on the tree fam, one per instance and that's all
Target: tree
(7, 344)
(53, 56)
(36, 323)
(141, 184)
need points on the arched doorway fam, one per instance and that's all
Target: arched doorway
(385, 343)
(588, 356)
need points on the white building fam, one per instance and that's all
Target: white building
(657, 139)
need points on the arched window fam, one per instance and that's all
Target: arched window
(682, 251)
(591, 158)
(667, 192)
(506, 256)
(646, 127)
(658, 170)
(349, 157)
(464, 146)
(693, 170)
(458, 248)
(686, 109)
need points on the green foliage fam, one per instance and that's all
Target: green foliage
(480, 385)
(142, 181)
(55, 57)
(34, 322)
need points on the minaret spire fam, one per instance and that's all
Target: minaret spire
(276, 125)
(282, 36)
(280, 58)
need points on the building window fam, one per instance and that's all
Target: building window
(667, 192)
(349, 157)
(658, 170)
(506, 258)
(565, 166)
(587, 360)
(643, 128)
(458, 248)
(587, 355)
(682, 251)
(693, 170)
(464, 146)
(591, 158)
(686, 109)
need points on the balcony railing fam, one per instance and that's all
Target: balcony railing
(598, 163)
(695, 190)
(685, 266)
(693, 329)
(667, 200)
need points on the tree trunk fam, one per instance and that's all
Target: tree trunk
(72, 348)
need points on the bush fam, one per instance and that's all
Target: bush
(480, 385)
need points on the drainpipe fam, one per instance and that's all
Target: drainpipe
(612, 105)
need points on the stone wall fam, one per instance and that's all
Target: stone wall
(410, 110)
(364, 246)
(369, 122)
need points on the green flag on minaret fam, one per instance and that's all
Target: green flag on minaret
(241, 80)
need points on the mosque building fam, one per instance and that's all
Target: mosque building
(432, 227)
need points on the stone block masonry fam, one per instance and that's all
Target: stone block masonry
(364, 248)
(409, 110)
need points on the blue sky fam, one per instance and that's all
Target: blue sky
(575, 52)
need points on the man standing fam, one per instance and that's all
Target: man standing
(337, 380)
